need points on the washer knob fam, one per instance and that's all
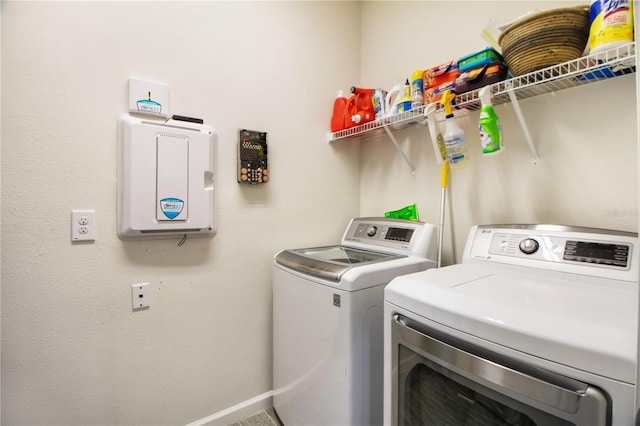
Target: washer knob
(372, 231)
(529, 246)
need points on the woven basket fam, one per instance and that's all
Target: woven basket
(545, 39)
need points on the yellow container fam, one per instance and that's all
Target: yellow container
(417, 89)
(611, 24)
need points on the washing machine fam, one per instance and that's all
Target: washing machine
(536, 326)
(328, 320)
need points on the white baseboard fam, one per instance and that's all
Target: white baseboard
(237, 412)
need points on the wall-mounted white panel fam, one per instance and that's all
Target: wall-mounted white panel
(166, 177)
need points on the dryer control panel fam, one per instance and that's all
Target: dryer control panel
(558, 249)
(553, 247)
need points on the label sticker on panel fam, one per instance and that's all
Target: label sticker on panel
(171, 207)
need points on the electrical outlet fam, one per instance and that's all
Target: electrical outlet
(83, 225)
(140, 296)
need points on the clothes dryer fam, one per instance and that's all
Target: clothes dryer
(328, 320)
(536, 326)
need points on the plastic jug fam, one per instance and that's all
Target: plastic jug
(365, 99)
(338, 118)
(391, 101)
(360, 107)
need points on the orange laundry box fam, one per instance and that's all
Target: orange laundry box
(438, 79)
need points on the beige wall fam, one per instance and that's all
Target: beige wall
(586, 137)
(73, 352)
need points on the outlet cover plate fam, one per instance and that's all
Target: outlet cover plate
(149, 98)
(83, 225)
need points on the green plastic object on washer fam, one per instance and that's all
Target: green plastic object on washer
(407, 213)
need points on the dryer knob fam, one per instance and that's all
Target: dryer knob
(529, 246)
(372, 231)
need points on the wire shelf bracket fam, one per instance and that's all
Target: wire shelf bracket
(525, 129)
(404, 156)
(399, 121)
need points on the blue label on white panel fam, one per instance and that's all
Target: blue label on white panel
(171, 207)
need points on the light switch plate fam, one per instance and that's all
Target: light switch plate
(147, 97)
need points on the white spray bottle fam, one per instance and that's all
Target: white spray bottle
(453, 134)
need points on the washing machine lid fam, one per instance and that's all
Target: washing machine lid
(330, 262)
(578, 321)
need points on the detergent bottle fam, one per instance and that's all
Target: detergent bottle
(453, 134)
(489, 125)
(391, 101)
(378, 103)
(360, 106)
(339, 113)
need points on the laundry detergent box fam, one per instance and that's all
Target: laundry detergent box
(438, 79)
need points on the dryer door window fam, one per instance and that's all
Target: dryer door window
(430, 398)
(444, 380)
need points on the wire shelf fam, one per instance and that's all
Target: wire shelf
(588, 69)
(373, 128)
(584, 70)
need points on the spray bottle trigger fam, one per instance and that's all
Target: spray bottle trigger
(447, 99)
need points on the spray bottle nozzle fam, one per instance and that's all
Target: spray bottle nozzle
(485, 95)
(447, 98)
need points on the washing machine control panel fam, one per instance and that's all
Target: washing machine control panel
(542, 245)
(386, 233)
(397, 236)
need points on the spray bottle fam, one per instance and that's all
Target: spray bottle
(489, 125)
(453, 135)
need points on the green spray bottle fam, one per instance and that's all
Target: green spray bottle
(489, 125)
